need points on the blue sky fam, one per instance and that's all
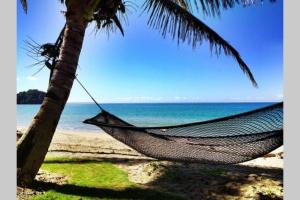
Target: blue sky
(144, 67)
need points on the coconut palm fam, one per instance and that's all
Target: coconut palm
(170, 17)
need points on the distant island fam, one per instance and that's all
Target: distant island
(30, 97)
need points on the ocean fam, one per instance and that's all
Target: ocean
(143, 114)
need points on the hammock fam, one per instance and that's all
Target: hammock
(228, 140)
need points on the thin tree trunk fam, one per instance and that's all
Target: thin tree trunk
(34, 144)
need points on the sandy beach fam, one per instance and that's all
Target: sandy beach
(247, 180)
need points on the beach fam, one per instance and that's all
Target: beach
(250, 180)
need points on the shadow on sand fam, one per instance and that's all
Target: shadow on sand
(83, 191)
(190, 180)
(215, 182)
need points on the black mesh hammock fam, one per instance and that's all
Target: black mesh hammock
(228, 140)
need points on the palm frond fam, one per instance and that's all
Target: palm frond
(170, 18)
(184, 4)
(110, 15)
(24, 5)
(213, 7)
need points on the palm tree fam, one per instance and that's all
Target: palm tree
(173, 17)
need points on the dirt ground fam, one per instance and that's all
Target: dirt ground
(260, 179)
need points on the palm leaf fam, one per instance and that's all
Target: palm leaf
(184, 4)
(213, 7)
(169, 17)
(24, 5)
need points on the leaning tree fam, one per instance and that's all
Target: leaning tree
(171, 17)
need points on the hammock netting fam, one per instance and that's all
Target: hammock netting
(227, 140)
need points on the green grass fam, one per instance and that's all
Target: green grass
(272, 193)
(94, 180)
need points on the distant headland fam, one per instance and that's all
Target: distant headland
(31, 96)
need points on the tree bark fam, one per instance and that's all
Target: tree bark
(33, 146)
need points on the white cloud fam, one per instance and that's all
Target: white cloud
(149, 99)
(18, 79)
(138, 99)
(32, 78)
(180, 98)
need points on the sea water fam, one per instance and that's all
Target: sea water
(141, 114)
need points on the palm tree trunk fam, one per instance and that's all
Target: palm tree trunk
(34, 144)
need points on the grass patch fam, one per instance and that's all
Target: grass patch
(94, 180)
(91, 174)
(271, 193)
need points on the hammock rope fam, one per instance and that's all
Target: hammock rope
(88, 93)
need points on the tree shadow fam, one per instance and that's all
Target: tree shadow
(74, 151)
(214, 182)
(190, 180)
(83, 191)
(125, 161)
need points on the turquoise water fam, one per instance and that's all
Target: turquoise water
(139, 114)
